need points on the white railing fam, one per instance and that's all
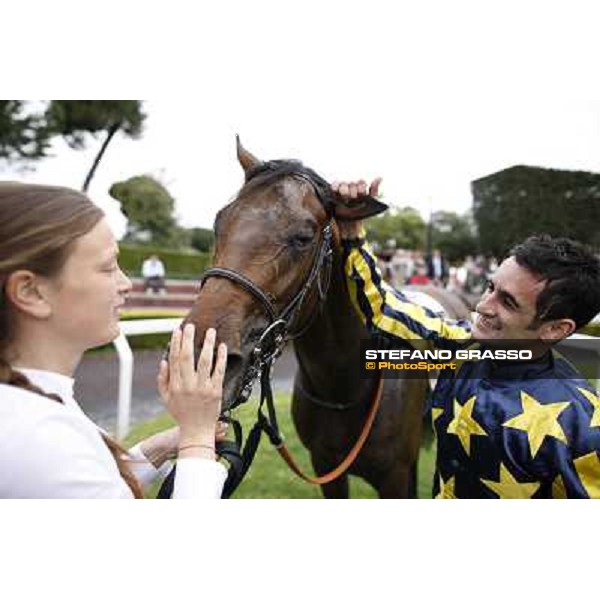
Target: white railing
(580, 340)
(128, 328)
(145, 326)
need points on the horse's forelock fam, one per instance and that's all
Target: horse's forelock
(264, 176)
(268, 173)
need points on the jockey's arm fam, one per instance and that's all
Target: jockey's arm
(385, 310)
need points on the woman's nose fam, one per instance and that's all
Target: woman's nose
(125, 284)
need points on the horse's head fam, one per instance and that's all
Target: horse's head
(271, 259)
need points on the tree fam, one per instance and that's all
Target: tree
(201, 239)
(520, 201)
(454, 235)
(73, 119)
(402, 228)
(24, 135)
(149, 209)
(27, 128)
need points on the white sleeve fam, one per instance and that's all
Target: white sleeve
(145, 472)
(195, 478)
(49, 452)
(56, 458)
(198, 478)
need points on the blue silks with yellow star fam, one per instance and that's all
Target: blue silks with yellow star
(504, 430)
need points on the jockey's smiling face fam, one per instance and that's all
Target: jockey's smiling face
(507, 309)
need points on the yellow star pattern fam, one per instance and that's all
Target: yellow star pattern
(595, 402)
(509, 487)
(446, 489)
(435, 413)
(464, 425)
(559, 491)
(538, 421)
(588, 469)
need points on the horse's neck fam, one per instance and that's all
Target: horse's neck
(334, 336)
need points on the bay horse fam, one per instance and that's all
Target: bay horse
(266, 243)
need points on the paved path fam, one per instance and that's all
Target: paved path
(96, 386)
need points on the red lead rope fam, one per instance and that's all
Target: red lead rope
(345, 464)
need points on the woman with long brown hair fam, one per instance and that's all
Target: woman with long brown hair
(60, 290)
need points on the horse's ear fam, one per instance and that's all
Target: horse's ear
(245, 158)
(356, 209)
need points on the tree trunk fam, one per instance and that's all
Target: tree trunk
(111, 132)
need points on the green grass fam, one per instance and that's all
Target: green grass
(269, 476)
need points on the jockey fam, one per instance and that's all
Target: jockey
(504, 429)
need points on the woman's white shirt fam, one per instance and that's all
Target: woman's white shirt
(53, 450)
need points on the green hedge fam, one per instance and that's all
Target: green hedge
(179, 264)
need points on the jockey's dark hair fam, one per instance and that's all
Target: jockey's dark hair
(572, 274)
(39, 226)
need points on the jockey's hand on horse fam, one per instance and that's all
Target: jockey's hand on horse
(193, 394)
(349, 190)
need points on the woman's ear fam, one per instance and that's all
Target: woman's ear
(355, 209)
(24, 291)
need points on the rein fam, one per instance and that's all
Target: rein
(351, 456)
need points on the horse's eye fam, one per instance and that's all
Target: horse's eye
(301, 240)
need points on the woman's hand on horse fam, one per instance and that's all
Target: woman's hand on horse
(193, 394)
(351, 190)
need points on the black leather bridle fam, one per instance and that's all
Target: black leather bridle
(280, 328)
(277, 333)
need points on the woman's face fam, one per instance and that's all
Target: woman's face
(87, 293)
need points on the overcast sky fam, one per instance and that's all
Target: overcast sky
(429, 98)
